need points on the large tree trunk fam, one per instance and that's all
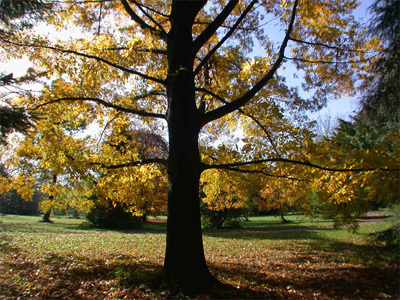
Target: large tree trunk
(185, 267)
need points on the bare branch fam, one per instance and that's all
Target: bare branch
(227, 35)
(122, 68)
(107, 104)
(214, 25)
(140, 21)
(239, 102)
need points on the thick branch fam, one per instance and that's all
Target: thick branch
(227, 35)
(122, 68)
(213, 27)
(241, 101)
(140, 21)
(296, 162)
(107, 104)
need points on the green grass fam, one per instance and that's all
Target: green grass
(64, 224)
(304, 259)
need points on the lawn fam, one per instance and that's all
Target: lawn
(263, 260)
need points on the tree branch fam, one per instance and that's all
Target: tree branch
(227, 35)
(325, 45)
(140, 21)
(107, 104)
(212, 94)
(150, 93)
(122, 68)
(155, 11)
(162, 31)
(135, 163)
(296, 162)
(262, 173)
(239, 102)
(155, 51)
(263, 129)
(214, 25)
(105, 127)
(204, 90)
(327, 61)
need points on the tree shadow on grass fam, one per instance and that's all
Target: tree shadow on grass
(329, 275)
(297, 233)
(116, 276)
(340, 283)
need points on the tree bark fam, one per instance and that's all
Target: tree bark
(46, 217)
(185, 267)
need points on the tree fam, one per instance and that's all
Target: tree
(226, 196)
(282, 194)
(16, 15)
(372, 136)
(145, 188)
(191, 65)
(49, 158)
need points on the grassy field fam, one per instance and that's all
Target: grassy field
(265, 259)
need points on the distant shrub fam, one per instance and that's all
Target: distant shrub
(217, 219)
(112, 217)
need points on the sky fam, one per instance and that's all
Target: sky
(342, 108)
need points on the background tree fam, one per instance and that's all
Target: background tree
(51, 158)
(226, 196)
(372, 136)
(16, 15)
(191, 65)
(282, 194)
(144, 189)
